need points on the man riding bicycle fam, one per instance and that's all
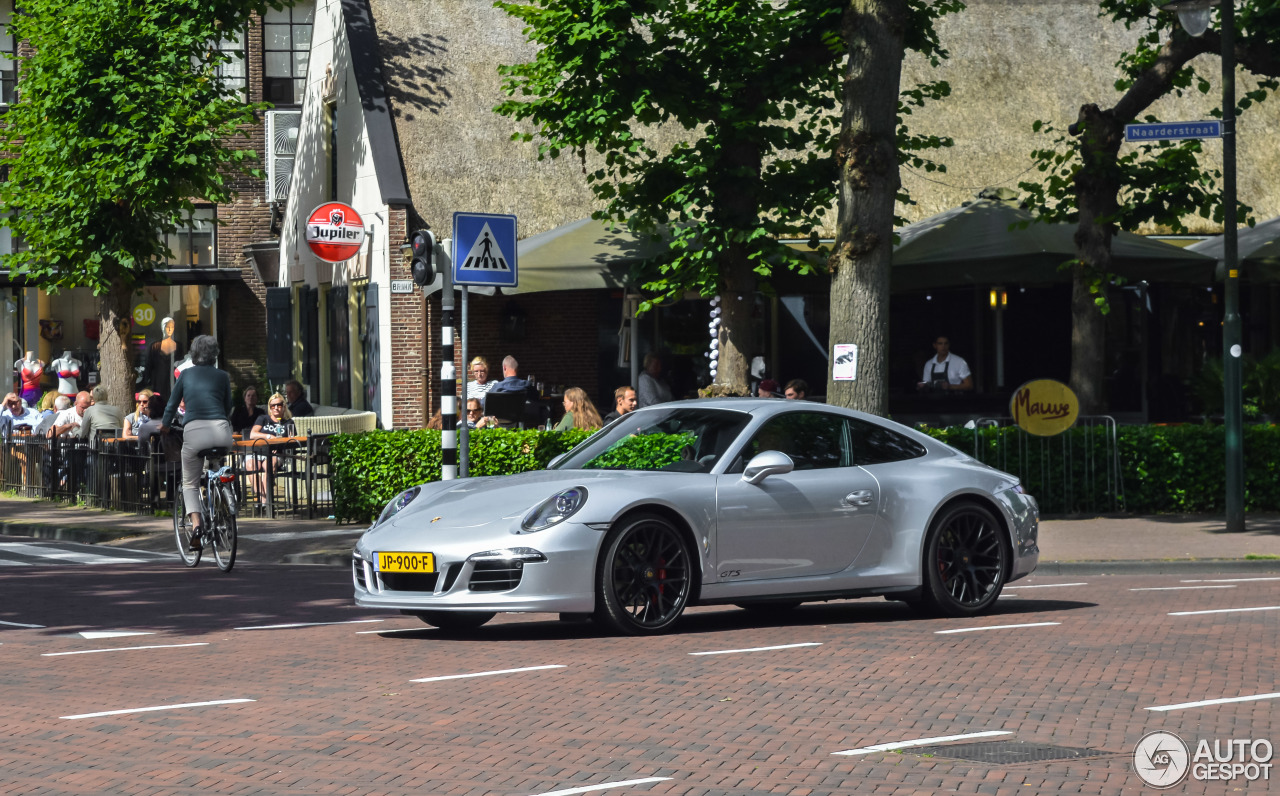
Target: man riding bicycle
(207, 392)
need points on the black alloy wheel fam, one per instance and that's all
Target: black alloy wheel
(645, 576)
(965, 560)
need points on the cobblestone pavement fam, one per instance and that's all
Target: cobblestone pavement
(335, 709)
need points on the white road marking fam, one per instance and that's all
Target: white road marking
(156, 707)
(1185, 705)
(1180, 588)
(1228, 580)
(761, 649)
(590, 788)
(1226, 611)
(18, 624)
(96, 634)
(487, 674)
(885, 747)
(121, 649)
(280, 537)
(55, 554)
(995, 627)
(1045, 586)
(310, 624)
(392, 630)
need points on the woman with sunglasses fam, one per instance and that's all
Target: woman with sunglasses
(134, 420)
(277, 422)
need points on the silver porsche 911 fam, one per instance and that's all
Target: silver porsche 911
(760, 503)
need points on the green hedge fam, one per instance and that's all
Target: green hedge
(371, 468)
(1163, 469)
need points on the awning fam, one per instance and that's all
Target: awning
(581, 255)
(974, 245)
(1258, 248)
(154, 278)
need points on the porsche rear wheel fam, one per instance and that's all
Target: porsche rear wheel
(644, 578)
(966, 555)
(455, 620)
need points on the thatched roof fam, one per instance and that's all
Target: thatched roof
(1012, 62)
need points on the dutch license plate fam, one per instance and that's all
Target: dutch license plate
(406, 562)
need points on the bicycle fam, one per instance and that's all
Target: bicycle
(218, 513)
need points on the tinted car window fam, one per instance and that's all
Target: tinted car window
(813, 440)
(873, 444)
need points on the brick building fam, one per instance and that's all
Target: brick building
(214, 284)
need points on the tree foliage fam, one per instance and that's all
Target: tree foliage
(1087, 180)
(122, 124)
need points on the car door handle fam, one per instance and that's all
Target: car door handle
(860, 497)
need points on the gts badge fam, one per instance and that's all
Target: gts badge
(730, 573)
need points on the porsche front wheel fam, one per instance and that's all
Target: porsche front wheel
(644, 578)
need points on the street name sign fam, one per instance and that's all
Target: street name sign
(1173, 131)
(485, 249)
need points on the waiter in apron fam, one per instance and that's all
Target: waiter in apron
(945, 371)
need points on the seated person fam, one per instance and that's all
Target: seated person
(624, 400)
(277, 422)
(579, 411)
(298, 404)
(510, 381)
(102, 419)
(476, 418)
(134, 420)
(16, 414)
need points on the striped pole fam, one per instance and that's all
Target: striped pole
(448, 384)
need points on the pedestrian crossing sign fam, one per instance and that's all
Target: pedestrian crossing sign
(484, 246)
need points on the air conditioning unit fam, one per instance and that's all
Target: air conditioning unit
(282, 149)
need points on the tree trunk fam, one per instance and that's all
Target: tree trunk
(737, 191)
(868, 160)
(115, 368)
(1097, 189)
(734, 337)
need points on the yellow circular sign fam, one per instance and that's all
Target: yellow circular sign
(1044, 407)
(144, 314)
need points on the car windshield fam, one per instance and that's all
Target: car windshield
(678, 439)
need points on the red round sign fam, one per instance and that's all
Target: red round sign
(335, 232)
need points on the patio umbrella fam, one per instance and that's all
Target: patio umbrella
(974, 245)
(581, 255)
(1258, 248)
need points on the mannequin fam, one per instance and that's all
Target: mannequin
(162, 357)
(68, 369)
(30, 369)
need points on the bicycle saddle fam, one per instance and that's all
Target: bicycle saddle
(213, 453)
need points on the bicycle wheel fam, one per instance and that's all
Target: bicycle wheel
(182, 530)
(224, 529)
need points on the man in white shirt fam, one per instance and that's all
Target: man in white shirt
(70, 419)
(653, 390)
(945, 371)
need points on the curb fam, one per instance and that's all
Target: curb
(83, 535)
(1156, 567)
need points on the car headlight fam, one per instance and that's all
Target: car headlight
(555, 509)
(398, 504)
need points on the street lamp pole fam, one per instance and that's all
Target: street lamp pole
(1194, 17)
(1233, 414)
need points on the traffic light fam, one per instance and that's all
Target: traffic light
(423, 266)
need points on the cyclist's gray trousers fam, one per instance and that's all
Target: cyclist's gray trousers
(196, 436)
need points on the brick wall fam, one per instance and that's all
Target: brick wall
(409, 375)
(242, 305)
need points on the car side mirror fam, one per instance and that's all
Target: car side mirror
(765, 464)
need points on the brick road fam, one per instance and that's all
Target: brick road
(334, 711)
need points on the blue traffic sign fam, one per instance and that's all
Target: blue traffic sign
(484, 247)
(1172, 131)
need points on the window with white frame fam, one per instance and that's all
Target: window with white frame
(8, 56)
(286, 48)
(192, 244)
(232, 71)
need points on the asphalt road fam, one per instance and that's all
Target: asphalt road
(269, 680)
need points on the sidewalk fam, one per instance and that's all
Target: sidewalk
(1067, 546)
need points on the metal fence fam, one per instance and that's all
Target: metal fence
(1075, 472)
(287, 477)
